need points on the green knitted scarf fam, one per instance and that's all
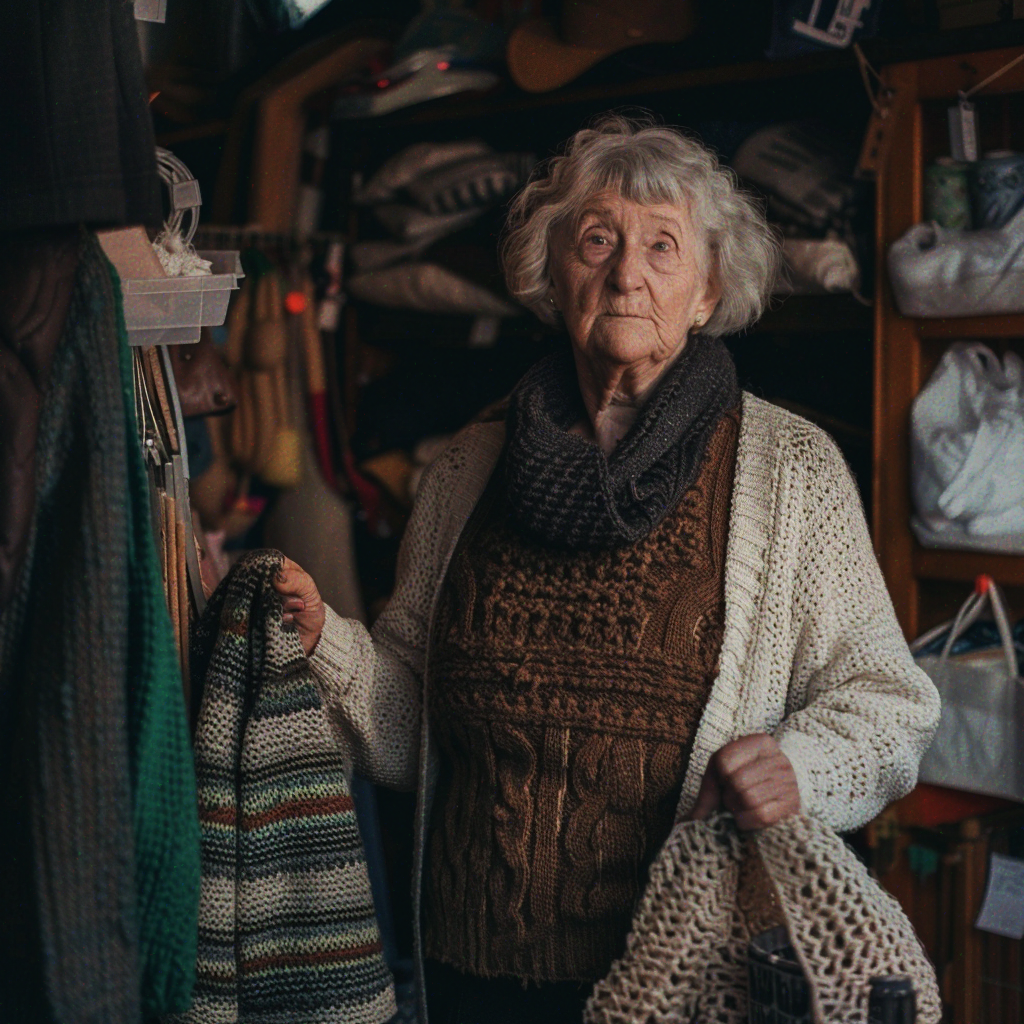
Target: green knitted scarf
(100, 840)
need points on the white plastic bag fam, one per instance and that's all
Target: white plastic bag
(936, 272)
(967, 451)
(979, 745)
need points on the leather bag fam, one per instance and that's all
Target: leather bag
(205, 385)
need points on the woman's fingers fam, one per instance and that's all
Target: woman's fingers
(300, 603)
(757, 781)
(708, 797)
(293, 580)
(763, 816)
(741, 753)
(291, 606)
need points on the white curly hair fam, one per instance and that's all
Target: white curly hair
(651, 165)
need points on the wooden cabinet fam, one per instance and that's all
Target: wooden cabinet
(928, 584)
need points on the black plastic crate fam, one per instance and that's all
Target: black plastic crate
(778, 992)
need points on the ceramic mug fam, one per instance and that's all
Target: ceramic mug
(997, 188)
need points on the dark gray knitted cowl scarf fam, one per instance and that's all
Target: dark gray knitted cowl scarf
(564, 491)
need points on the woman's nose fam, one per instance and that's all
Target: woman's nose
(626, 274)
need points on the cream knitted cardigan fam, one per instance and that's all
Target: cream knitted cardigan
(811, 653)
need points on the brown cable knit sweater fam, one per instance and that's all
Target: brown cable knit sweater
(566, 689)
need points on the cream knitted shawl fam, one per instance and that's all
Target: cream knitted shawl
(812, 652)
(686, 957)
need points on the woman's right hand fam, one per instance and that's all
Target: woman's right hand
(754, 779)
(301, 602)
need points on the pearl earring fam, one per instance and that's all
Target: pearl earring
(699, 320)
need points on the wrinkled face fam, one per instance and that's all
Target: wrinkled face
(628, 281)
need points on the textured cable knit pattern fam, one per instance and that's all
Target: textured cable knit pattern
(686, 957)
(287, 930)
(565, 491)
(811, 651)
(566, 688)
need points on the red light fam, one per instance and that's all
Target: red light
(383, 83)
(443, 65)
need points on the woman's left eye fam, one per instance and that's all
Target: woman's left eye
(661, 247)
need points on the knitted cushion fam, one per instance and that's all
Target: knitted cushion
(686, 957)
(287, 931)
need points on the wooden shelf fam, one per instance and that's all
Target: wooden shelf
(806, 314)
(506, 98)
(1009, 325)
(966, 566)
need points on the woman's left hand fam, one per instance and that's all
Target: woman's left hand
(754, 779)
(300, 603)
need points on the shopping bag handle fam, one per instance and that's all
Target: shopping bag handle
(986, 591)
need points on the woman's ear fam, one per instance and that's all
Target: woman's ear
(710, 299)
(550, 311)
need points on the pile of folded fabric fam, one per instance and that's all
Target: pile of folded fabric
(446, 49)
(423, 196)
(805, 174)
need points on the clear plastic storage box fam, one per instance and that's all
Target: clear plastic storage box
(171, 310)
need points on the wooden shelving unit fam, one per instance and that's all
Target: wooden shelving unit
(956, 328)
(506, 98)
(805, 314)
(966, 566)
(908, 349)
(927, 585)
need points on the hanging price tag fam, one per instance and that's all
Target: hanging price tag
(963, 132)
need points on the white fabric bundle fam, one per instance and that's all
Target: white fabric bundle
(967, 445)
(178, 257)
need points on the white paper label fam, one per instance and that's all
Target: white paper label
(963, 132)
(846, 19)
(1002, 912)
(329, 313)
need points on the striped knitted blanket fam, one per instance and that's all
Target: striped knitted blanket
(287, 931)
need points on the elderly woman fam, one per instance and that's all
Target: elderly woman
(641, 597)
